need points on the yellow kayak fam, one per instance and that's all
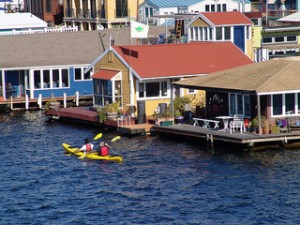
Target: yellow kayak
(93, 155)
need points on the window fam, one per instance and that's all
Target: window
(277, 105)
(164, 88)
(279, 39)
(289, 104)
(291, 38)
(48, 6)
(121, 8)
(255, 21)
(65, 78)
(213, 8)
(46, 78)
(153, 89)
(219, 7)
(239, 104)
(227, 33)
(206, 8)
(267, 40)
(224, 7)
(141, 90)
(219, 33)
(87, 75)
(37, 79)
(55, 78)
(77, 73)
(192, 91)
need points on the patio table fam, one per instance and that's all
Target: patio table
(225, 122)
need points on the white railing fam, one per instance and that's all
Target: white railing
(46, 30)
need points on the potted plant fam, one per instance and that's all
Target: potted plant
(254, 125)
(112, 110)
(178, 117)
(265, 125)
(52, 104)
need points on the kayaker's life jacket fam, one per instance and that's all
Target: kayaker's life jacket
(88, 147)
(104, 150)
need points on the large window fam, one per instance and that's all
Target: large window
(286, 104)
(107, 91)
(52, 78)
(239, 104)
(121, 8)
(153, 89)
(280, 39)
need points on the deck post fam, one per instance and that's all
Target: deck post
(65, 100)
(26, 102)
(210, 141)
(77, 98)
(11, 103)
(40, 104)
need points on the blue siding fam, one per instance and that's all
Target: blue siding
(84, 87)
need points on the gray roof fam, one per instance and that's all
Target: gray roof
(66, 48)
(172, 3)
(276, 75)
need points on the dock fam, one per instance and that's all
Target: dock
(89, 116)
(245, 140)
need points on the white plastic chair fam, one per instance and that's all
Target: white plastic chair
(237, 123)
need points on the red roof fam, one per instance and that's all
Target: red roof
(196, 58)
(105, 74)
(227, 18)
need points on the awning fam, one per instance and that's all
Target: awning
(105, 74)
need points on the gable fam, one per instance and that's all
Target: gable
(199, 22)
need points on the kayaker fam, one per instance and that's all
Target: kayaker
(87, 147)
(104, 149)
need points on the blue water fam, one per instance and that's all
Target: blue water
(160, 181)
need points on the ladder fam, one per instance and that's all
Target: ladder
(178, 29)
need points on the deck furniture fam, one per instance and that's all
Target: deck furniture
(225, 122)
(206, 122)
(237, 123)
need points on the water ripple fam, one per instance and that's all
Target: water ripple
(159, 182)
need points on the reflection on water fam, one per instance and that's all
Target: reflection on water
(161, 181)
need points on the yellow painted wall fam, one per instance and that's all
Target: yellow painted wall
(113, 63)
(257, 38)
(199, 22)
(111, 8)
(250, 50)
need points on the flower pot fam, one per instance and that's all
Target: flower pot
(111, 115)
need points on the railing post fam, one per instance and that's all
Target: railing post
(65, 100)
(40, 101)
(11, 103)
(77, 98)
(26, 102)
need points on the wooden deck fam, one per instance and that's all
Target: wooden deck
(90, 117)
(249, 140)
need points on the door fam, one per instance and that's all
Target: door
(239, 37)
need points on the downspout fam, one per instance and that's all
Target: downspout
(3, 84)
(172, 98)
(258, 114)
(131, 87)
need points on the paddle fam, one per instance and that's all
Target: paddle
(115, 139)
(98, 136)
